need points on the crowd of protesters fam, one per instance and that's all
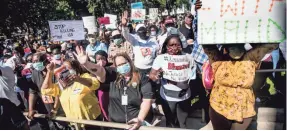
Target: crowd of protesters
(117, 76)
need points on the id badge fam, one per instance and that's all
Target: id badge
(47, 99)
(124, 100)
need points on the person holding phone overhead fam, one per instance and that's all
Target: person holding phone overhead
(131, 96)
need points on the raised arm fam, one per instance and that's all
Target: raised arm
(125, 31)
(48, 79)
(98, 71)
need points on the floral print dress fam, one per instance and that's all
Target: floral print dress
(232, 94)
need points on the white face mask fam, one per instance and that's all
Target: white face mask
(153, 33)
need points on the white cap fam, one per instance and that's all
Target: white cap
(139, 26)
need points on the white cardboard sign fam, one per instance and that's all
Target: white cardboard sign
(242, 21)
(176, 67)
(67, 30)
(153, 13)
(90, 24)
(113, 21)
(138, 14)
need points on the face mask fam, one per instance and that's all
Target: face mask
(118, 41)
(124, 69)
(173, 50)
(39, 66)
(236, 52)
(92, 40)
(57, 57)
(153, 33)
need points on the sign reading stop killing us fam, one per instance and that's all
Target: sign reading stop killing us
(242, 21)
(67, 30)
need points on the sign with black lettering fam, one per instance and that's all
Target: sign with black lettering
(67, 30)
(177, 68)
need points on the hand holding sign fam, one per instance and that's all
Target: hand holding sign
(198, 4)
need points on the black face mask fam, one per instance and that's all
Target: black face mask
(142, 34)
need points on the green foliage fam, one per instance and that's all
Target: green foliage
(24, 14)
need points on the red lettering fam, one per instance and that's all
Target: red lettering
(272, 4)
(171, 66)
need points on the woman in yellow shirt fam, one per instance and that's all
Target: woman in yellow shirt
(76, 91)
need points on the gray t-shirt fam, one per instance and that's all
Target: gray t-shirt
(7, 84)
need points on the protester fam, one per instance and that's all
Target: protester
(232, 99)
(187, 31)
(38, 102)
(153, 30)
(75, 90)
(145, 48)
(57, 57)
(103, 92)
(119, 45)
(130, 97)
(95, 45)
(175, 91)
(11, 117)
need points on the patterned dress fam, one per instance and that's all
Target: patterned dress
(232, 94)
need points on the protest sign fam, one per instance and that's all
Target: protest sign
(138, 14)
(104, 20)
(164, 13)
(67, 30)
(113, 21)
(242, 21)
(153, 13)
(90, 24)
(137, 5)
(176, 67)
(180, 10)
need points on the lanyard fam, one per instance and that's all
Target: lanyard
(126, 114)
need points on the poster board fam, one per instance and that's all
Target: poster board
(242, 21)
(164, 13)
(137, 5)
(104, 20)
(90, 24)
(176, 68)
(67, 30)
(113, 21)
(153, 13)
(138, 14)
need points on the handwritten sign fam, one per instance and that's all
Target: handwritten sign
(90, 24)
(177, 68)
(153, 13)
(113, 21)
(67, 30)
(137, 5)
(242, 21)
(138, 14)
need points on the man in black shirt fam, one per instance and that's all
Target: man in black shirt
(187, 31)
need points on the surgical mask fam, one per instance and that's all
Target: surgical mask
(118, 41)
(92, 40)
(39, 66)
(236, 52)
(153, 33)
(124, 69)
(57, 57)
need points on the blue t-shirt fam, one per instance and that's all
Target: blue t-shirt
(91, 50)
